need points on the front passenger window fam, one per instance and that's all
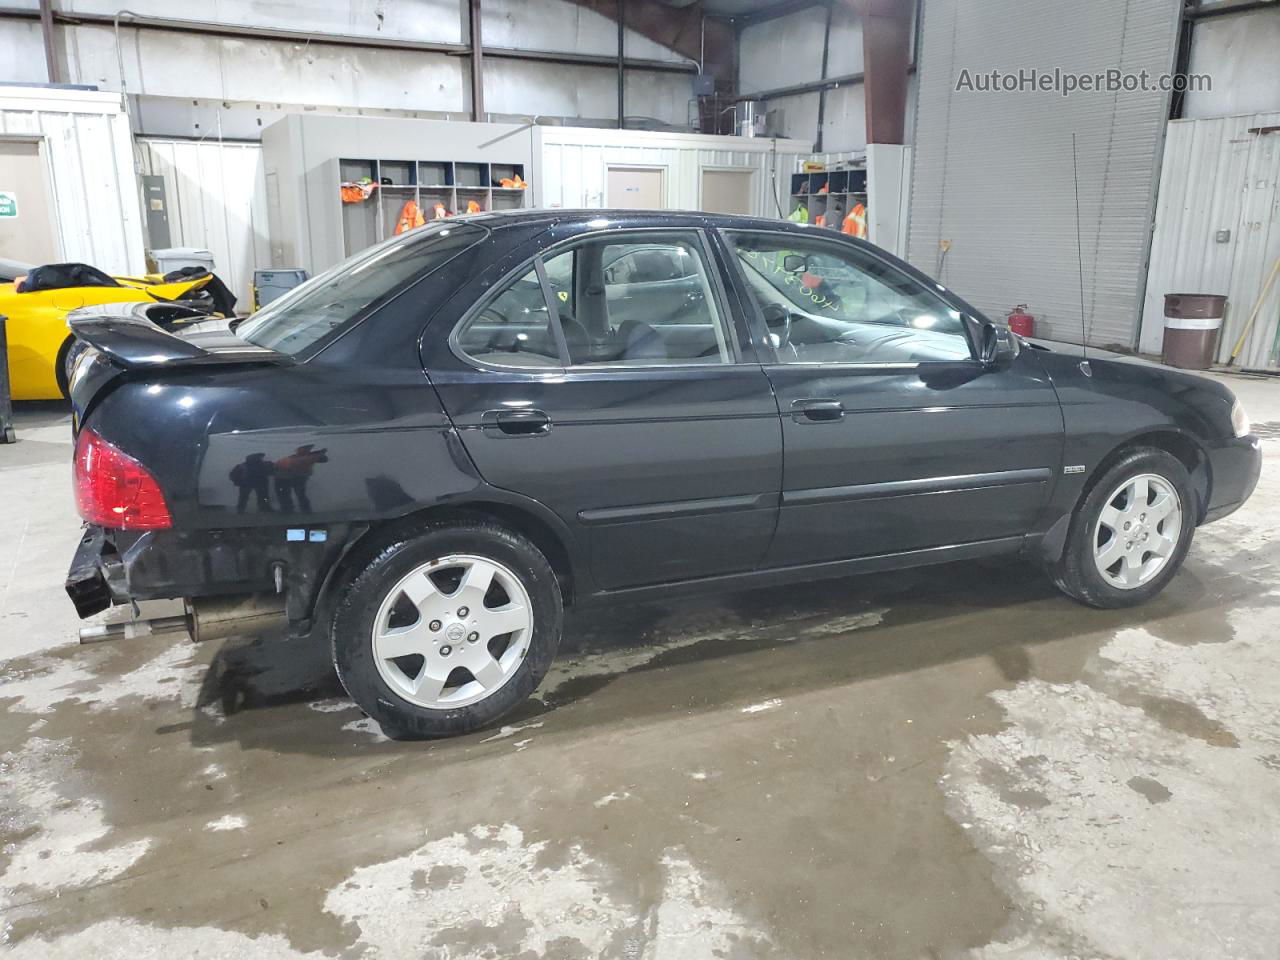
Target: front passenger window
(825, 303)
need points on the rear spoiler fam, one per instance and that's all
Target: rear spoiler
(128, 334)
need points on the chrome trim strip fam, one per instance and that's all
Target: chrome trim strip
(678, 508)
(908, 488)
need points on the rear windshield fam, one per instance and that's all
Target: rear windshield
(355, 287)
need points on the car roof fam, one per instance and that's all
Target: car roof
(498, 219)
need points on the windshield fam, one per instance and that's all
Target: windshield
(355, 287)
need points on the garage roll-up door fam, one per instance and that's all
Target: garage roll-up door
(992, 177)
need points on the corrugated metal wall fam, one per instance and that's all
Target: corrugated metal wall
(179, 78)
(572, 165)
(1217, 176)
(992, 173)
(91, 170)
(216, 195)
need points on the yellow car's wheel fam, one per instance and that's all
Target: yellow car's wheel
(62, 367)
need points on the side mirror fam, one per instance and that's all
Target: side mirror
(997, 347)
(775, 315)
(795, 263)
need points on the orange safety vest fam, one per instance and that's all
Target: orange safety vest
(439, 211)
(410, 217)
(855, 224)
(473, 206)
(357, 191)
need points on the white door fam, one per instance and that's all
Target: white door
(26, 204)
(727, 191)
(637, 188)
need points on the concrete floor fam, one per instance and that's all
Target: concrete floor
(943, 763)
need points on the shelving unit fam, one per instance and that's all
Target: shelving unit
(426, 182)
(829, 193)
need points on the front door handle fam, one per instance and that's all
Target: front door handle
(516, 423)
(817, 411)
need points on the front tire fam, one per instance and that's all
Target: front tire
(447, 629)
(1130, 534)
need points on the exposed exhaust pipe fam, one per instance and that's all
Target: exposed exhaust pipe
(102, 632)
(206, 618)
(214, 618)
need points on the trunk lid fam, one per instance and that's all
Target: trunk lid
(114, 340)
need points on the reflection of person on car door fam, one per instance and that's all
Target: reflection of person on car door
(292, 474)
(252, 476)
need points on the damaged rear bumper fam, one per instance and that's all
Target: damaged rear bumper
(115, 567)
(94, 569)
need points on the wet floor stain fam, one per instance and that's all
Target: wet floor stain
(1153, 790)
(1153, 827)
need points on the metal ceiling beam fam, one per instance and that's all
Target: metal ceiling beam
(590, 60)
(676, 28)
(1202, 11)
(886, 54)
(796, 89)
(621, 16)
(359, 42)
(812, 86)
(477, 60)
(776, 11)
(46, 31)
(822, 94)
(708, 42)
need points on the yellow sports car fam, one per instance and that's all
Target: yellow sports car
(36, 305)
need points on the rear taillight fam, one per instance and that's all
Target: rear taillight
(114, 490)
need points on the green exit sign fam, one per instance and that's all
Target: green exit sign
(8, 204)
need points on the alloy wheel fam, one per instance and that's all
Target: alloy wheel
(1137, 531)
(452, 631)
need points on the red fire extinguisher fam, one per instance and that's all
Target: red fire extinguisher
(1021, 322)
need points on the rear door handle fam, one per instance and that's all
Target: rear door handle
(516, 423)
(817, 411)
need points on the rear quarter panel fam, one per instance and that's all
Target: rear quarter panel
(362, 444)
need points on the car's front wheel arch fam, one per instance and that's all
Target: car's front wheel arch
(1130, 531)
(1180, 445)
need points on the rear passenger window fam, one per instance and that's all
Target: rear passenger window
(646, 300)
(513, 329)
(641, 300)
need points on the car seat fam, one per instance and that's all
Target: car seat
(640, 341)
(576, 339)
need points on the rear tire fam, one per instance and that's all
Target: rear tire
(1129, 535)
(62, 367)
(447, 628)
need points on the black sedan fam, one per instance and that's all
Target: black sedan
(421, 456)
